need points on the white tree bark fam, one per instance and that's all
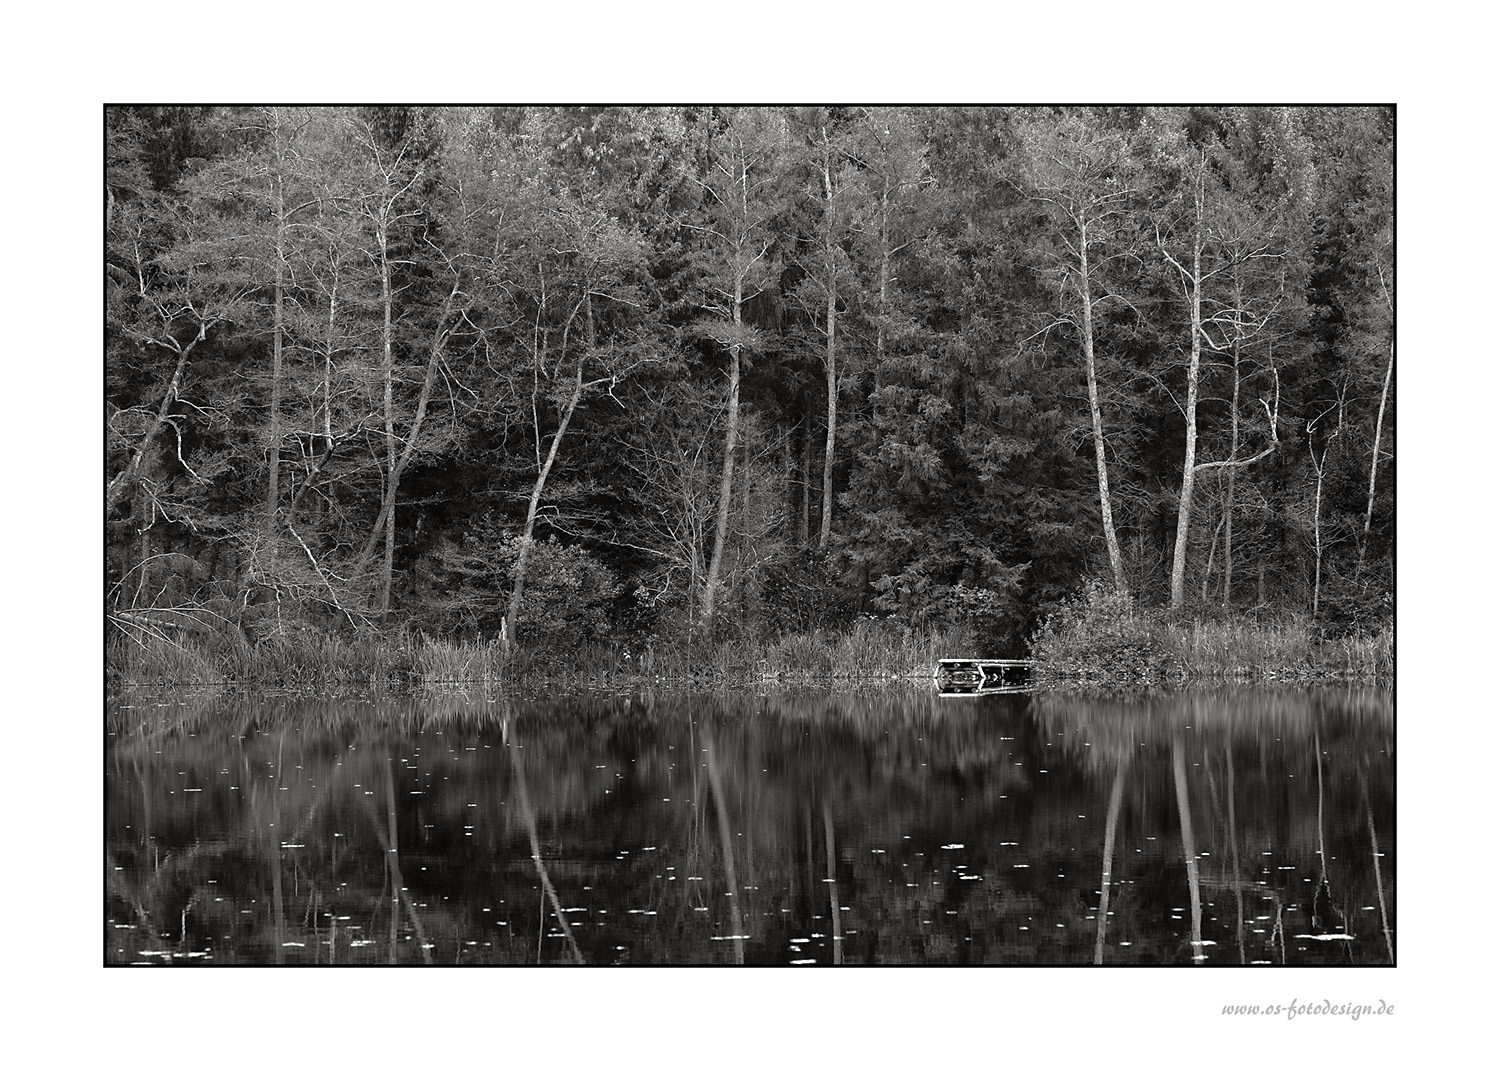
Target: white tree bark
(1101, 465)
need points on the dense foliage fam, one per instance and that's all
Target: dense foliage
(645, 374)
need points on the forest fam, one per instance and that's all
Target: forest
(618, 379)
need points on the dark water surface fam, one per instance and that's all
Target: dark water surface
(855, 827)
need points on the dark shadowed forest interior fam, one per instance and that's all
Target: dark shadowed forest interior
(569, 383)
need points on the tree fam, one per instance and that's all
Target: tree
(599, 260)
(827, 154)
(740, 198)
(1214, 233)
(1082, 175)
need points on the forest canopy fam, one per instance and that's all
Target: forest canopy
(619, 373)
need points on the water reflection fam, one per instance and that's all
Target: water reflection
(884, 826)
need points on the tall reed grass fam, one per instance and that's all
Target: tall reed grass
(871, 650)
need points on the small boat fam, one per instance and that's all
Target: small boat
(980, 676)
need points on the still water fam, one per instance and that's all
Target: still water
(807, 828)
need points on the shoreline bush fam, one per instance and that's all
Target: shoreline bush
(1102, 636)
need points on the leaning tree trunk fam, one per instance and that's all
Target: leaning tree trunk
(1375, 456)
(523, 555)
(384, 521)
(124, 481)
(1111, 542)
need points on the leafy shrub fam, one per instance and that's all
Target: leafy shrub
(469, 580)
(1101, 633)
(567, 596)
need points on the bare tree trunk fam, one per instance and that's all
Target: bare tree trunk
(1320, 466)
(1234, 453)
(143, 525)
(333, 308)
(749, 595)
(1213, 546)
(882, 310)
(829, 358)
(731, 440)
(124, 482)
(278, 200)
(523, 556)
(1390, 366)
(398, 466)
(388, 508)
(805, 520)
(1106, 513)
(1318, 538)
(1190, 450)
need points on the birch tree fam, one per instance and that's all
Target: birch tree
(1213, 238)
(1082, 176)
(833, 191)
(740, 196)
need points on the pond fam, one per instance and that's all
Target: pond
(882, 825)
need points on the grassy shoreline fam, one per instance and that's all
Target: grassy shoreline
(1122, 647)
(868, 652)
(1103, 637)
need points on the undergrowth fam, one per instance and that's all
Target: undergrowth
(1103, 636)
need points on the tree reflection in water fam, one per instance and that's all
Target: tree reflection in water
(469, 827)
